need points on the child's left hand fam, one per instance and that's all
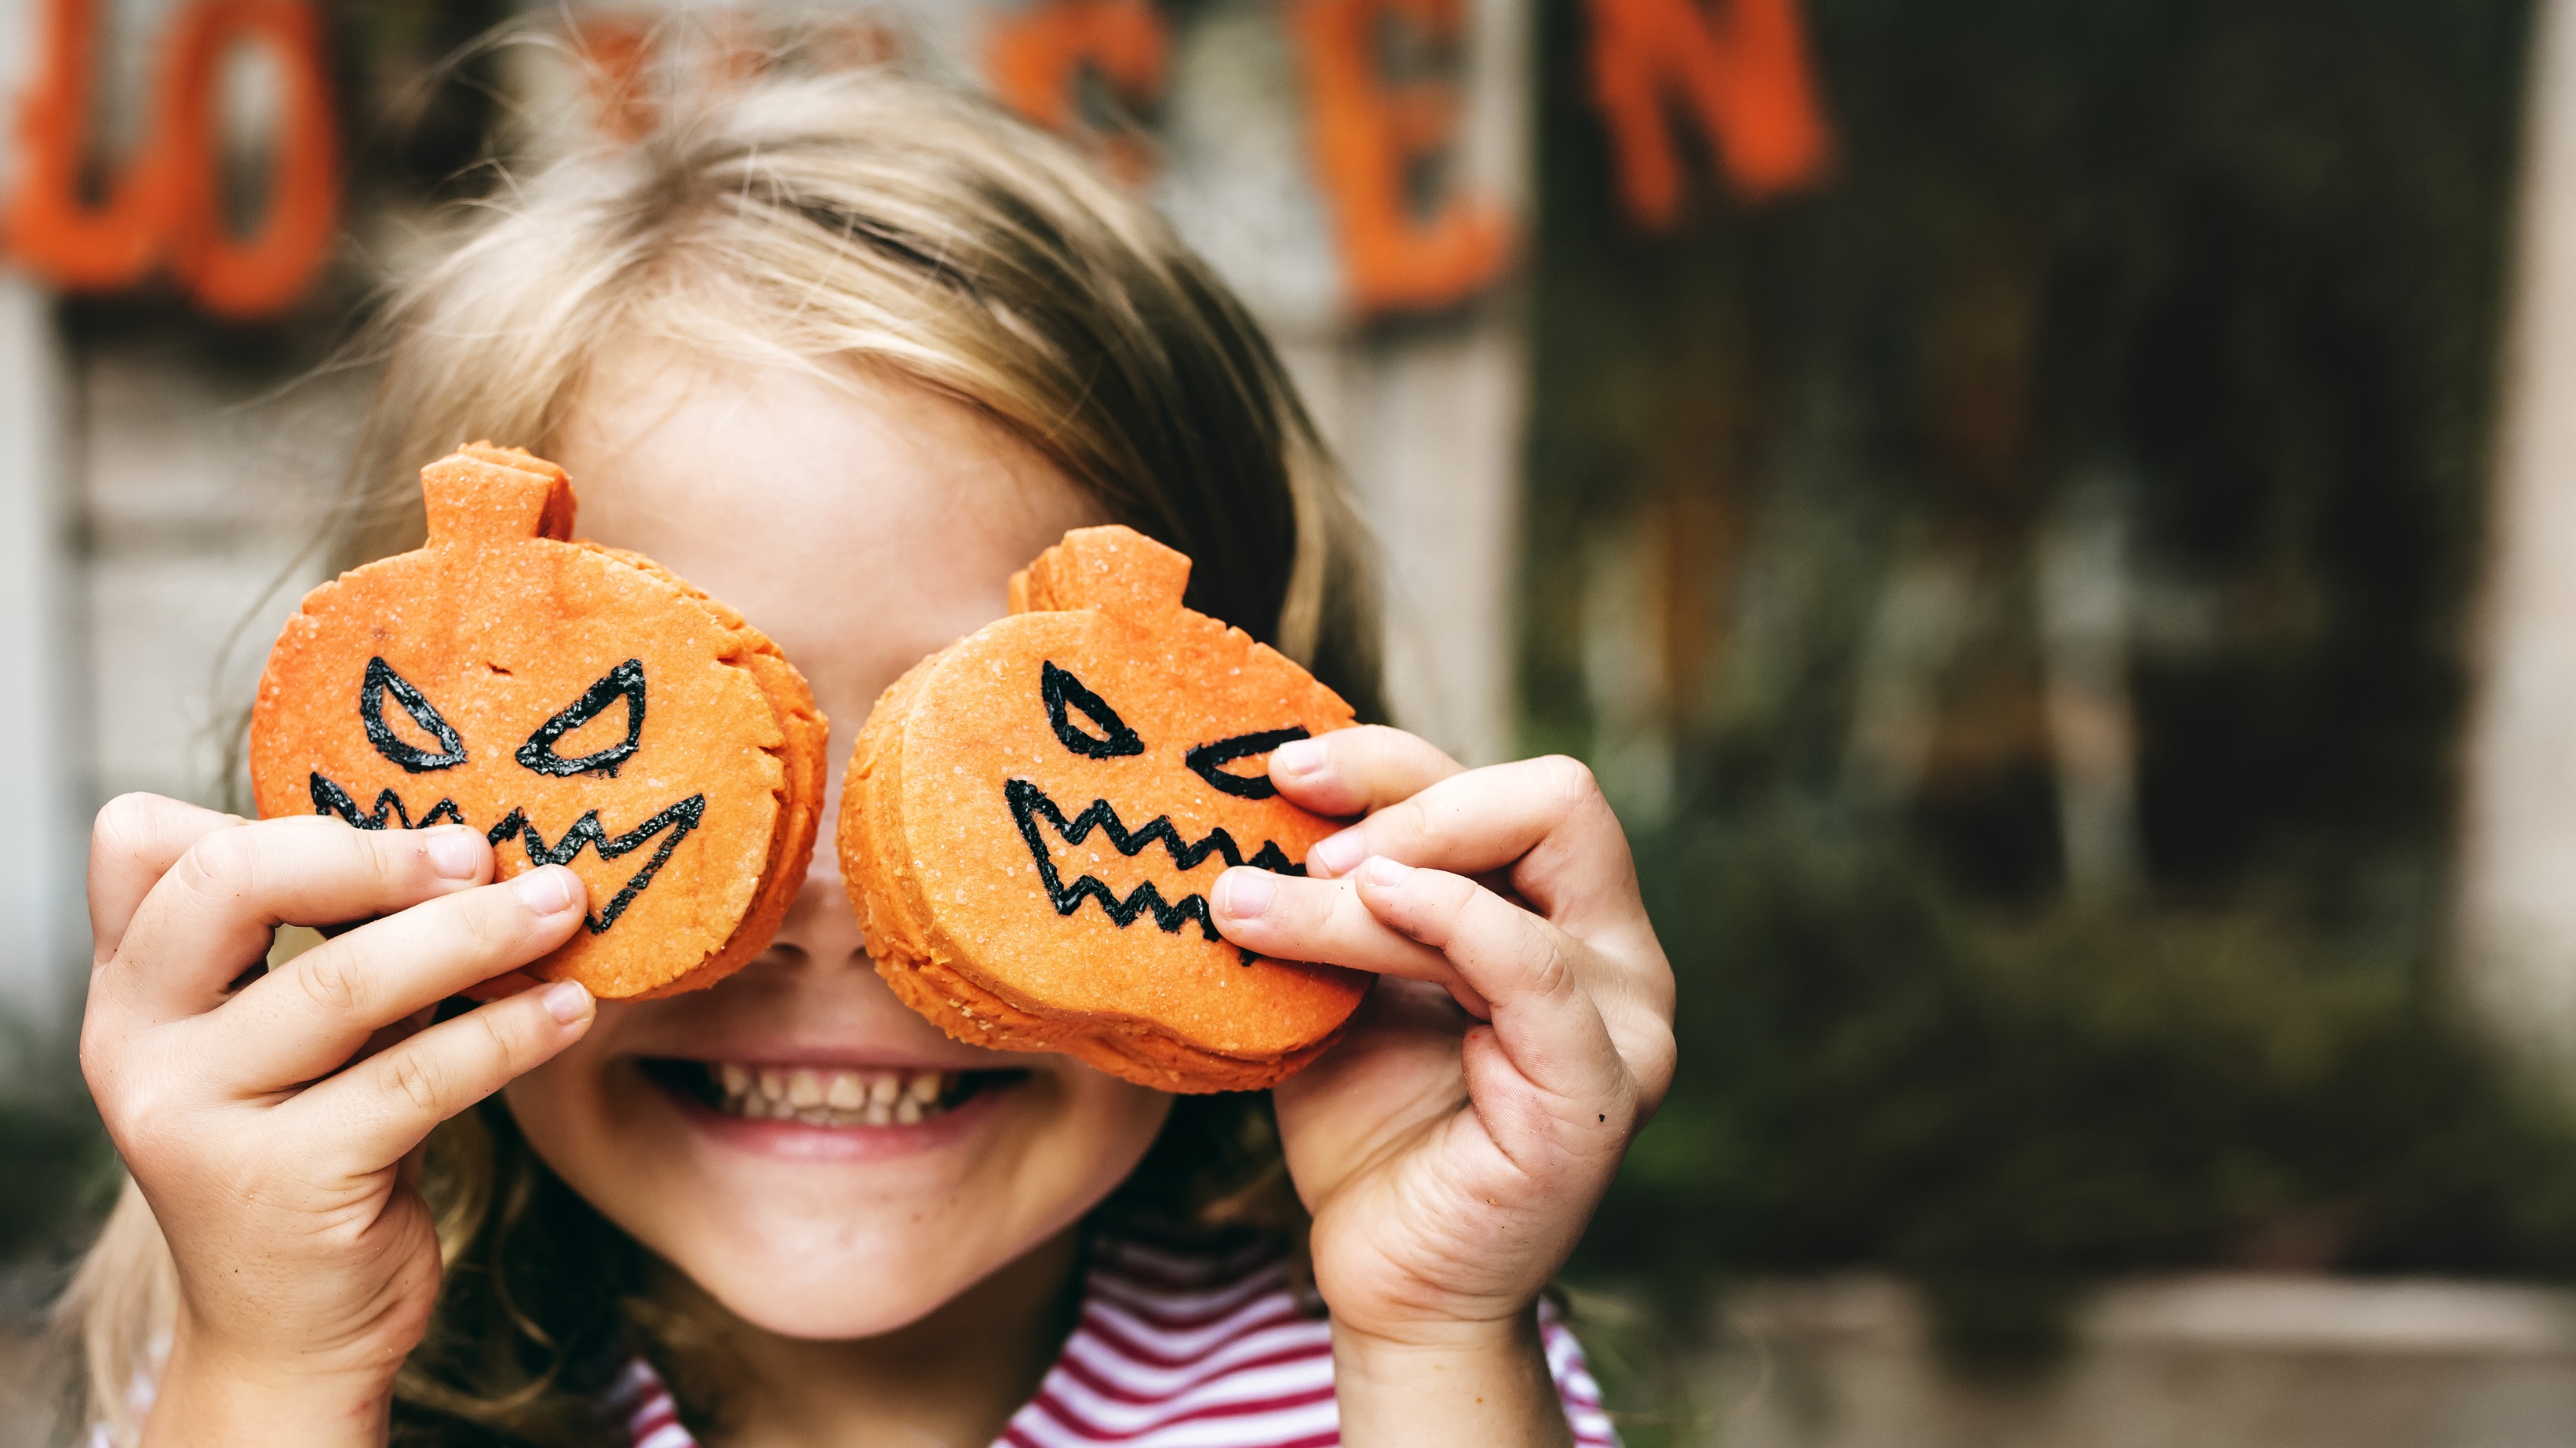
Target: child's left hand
(1453, 1153)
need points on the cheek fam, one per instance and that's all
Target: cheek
(1102, 1130)
(565, 1108)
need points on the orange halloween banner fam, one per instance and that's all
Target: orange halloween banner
(1742, 72)
(1739, 69)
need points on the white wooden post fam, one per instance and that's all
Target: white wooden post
(40, 849)
(1427, 418)
(1433, 433)
(2516, 935)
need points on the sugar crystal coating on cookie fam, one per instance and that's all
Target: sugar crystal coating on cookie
(1033, 816)
(578, 705)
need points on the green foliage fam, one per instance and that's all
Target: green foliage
(2005, 1108)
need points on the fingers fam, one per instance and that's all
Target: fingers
(211, 915)
(135, 841)
(1545, 819)
(1500, 961)
(1544, 1013)
(385, 1105)
(1287, 918)
(1353, 771)
(300, 1022)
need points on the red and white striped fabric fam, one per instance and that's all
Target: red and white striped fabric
(1179, 1352)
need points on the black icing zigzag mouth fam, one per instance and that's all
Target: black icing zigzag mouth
(672, 825)
(1030, 804)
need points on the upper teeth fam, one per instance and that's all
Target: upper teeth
(822, 1097)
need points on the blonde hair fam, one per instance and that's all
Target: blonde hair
(818, 222)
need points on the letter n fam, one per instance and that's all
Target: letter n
(1740, 70)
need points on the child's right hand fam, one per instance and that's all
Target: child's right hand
(276, 1153)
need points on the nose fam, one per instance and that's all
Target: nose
(820, 925)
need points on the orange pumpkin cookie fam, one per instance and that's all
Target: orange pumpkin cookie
(578, 704)
(1033, 815)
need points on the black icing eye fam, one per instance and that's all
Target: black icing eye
(626, 681)
(1208, 761)
(1063, 692)
(382, 680)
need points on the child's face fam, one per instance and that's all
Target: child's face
(861, 523)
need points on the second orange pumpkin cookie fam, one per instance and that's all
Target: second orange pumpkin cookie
(1033, 816)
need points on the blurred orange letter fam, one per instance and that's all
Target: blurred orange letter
(1036, 56)
(615, 53)
(1367, 135)
(50, 228)
(1742, 72)
(263, 272)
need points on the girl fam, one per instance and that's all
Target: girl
(845, 354)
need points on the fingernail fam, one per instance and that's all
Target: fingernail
(1297, 756)
(1247, 893)
(1335, 854)
(453, 853)
(1383, 871)
(566, 1001)
(547, 891)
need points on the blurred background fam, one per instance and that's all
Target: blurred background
(2055, 524)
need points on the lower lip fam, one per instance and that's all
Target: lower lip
(799, 1141)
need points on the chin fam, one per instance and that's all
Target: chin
(828, 1185)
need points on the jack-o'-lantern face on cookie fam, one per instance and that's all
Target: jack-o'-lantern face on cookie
(580, 707)
(1035, 815)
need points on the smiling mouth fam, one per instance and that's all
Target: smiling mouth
(824, 1095)
(1030, 805)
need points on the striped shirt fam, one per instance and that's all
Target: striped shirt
(1178, 1352)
